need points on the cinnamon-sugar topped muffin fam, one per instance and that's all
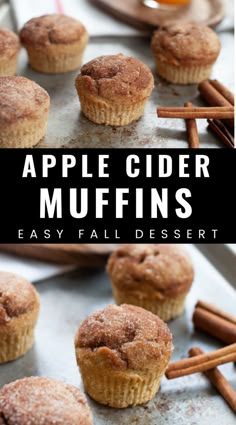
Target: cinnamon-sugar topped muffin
(24, 107)
(55, 43)
(155, 277)
(9, 49)
(44, 401)
(122, 353)
(185, 52)
(114, 89)
(19, 307)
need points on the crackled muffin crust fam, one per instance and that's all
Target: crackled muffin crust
(51, 29)
(127, 337)
(9, 43)
(21, 98)
(186, 44)
(17, 297)
(165, 269)
(116, 77)
(44, 401)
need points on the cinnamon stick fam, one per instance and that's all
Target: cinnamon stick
(192, 132)
(226, 93)
(214, 98)
(214, 325)
(222, 132)
(196, 112)
(215, 310)
(219, 381)
(202, 362)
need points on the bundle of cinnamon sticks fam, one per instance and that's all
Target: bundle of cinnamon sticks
(220, 113)
(221, 325)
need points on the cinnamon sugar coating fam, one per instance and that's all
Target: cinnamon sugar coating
(17, 296)
(128, 336)
(21, 98)
(9, 43)
(186, 44)
(116, 76)
(44, 401)
(166, 269)
(51, 29)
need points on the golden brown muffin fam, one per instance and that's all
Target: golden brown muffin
(113, 90)
(9, 49)
(185, 52)
(155, 277)
(24, 107)
(44, 401)
(19, 308)
(54, 43)
(123, 353)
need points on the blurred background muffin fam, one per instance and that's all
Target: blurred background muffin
(9, 50)
(185, 52)
(19, 308)
(54, 43)
(35, 400)
(155, 277)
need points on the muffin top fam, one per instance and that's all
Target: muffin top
(21, 98)
(166, 269)
(44, 401)
(129, 336)
(9, 43)
(51, 29)
(186, 44)
(116, 77)
(17, 296)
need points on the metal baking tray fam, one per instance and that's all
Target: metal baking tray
(68, 128)
(67, 300)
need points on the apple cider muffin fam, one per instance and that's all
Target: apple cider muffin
(185, 52)
(19, 308)
(155, 277)
(44, 401)
(9, 50)
(24, 108)
(123, 352)
(113, 90)
(54, 43)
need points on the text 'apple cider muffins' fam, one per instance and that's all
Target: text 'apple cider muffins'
(113, 90)
(122, 353)
(19, 308)
(24, 108)
(185, 52)
(44, 401)
(9, 50)
(54, 43)
(155, 277)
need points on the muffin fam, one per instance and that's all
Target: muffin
(19, 308)
(122, 353)
(54, 43)
(44, 401)
(185, 52)
(155, 277)
(113, 90)
(9, 49)
(24, 107)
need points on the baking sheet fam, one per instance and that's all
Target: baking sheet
(67, 300)
(68, 128)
